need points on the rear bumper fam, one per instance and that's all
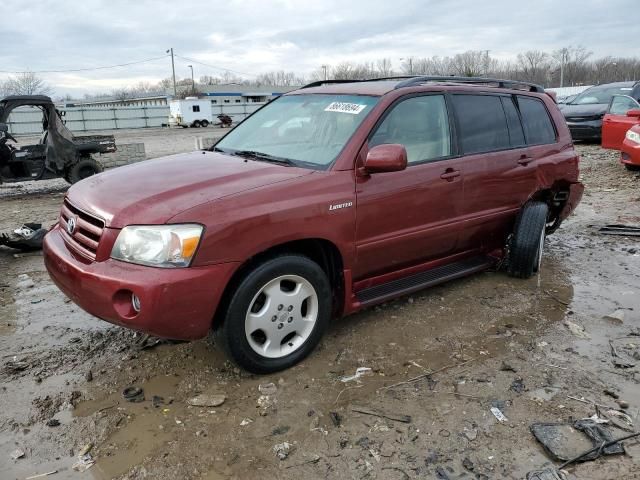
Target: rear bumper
(175, 303)
(591, 130)
(575, 195)
(630, 153)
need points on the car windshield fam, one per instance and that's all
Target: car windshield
(595, 95)
(302, 130)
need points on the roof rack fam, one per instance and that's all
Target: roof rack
(501, 83)
(319, 83)
(413, 80)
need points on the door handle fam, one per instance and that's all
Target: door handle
(525, 160)
(449, 174)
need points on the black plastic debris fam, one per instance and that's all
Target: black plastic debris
(546, 474)
(26, 238)
(133, 394)
(564, 441)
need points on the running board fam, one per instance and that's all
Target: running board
(419, 281)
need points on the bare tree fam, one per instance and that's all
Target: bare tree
(27, 83)
(572, 64)
(534, 66)
(384, 67)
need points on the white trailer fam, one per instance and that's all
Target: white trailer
(190, 112)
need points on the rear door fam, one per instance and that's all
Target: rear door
(412, 216)
(499, 170)
(616, 122)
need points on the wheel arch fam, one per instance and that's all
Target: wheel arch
(322, 251)
(556, 197)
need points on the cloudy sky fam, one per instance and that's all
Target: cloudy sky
(255, 36)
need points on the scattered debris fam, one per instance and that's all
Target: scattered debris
(470, 433)
(360, 372)
(207, 400)
(26, 238)
(507, 367)
(546, 474)
(615, 316)
(563, 440)
(246, 421)
(620, 229)
(88, 376)
(53, 422)
(336, 418)
(282, 450)
(390, 416)
(16, 454)
(86, 449)
(133, 394)
(623, 404)
(40, 475)
(267, 388)
(575, 329)
(626, 419)
(24, 282)
(468, 464)
(85, 462)
(518, 385)
(499, 415)
(157, 401)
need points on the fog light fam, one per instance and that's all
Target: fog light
(135, 302)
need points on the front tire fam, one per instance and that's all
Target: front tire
(631, 167)
(83, 168)
(527, 242)
(277, 314)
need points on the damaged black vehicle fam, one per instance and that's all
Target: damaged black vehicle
(57, 154)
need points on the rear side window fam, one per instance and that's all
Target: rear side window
(482, 121)
(537, 125)
(516, 134)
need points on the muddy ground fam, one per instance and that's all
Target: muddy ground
(524, 346)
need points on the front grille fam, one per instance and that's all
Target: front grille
(85, 237)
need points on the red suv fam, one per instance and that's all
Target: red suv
(327, 200)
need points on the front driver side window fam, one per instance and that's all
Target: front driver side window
(621, 104)
(421, 124)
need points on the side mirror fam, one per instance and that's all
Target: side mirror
(635, 112)
(4, 128)
(386, 158)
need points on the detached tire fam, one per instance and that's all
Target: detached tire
(84, 168)
(277, 314)
(527, 243)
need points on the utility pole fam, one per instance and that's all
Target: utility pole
(193, 83)
(324, 67)
(173, 69)
(564, 53)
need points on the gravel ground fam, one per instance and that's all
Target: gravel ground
(439, 361)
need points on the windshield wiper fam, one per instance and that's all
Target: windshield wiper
(264, 156)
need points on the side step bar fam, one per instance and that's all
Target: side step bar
(419, 281)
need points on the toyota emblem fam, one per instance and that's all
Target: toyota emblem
(71, 225)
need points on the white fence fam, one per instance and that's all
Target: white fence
(28, 120)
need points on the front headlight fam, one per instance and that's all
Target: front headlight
(165, 246)
(633, 136)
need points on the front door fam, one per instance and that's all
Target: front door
(616, 122)
(410, 217)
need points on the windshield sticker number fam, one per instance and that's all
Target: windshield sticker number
(343, 107)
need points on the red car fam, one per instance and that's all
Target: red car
(619, 131)
(327, 200)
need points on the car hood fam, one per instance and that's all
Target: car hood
(153, 191)
(592, 109)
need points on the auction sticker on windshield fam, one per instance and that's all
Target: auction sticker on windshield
(343, 107)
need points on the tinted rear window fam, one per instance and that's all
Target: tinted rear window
(538, 128)
(516, 134)
(483, 125)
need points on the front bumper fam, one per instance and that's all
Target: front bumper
(175, 303)
(630, 153)
(589, 130)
